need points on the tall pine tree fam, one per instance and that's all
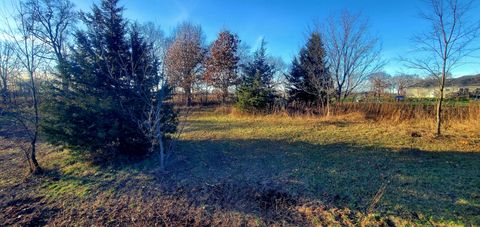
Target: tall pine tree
(112, 69)
(256, 92)
(309, 80)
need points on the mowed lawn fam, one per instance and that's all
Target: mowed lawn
(234, 170)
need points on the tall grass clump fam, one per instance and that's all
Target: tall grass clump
(388, 111)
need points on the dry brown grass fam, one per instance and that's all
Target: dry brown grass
(464, 118)
(354, 123)
(391, 111)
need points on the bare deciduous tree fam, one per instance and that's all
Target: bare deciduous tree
(153, 118)
(353, 54)
(30, 52)
(55, 20)
(8, 66)
(323, 88)
(184, 58)
(154, 35)
(402, 82)
(449, 39)
(380, 82)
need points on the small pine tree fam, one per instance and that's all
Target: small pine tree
(256, 92)
(309, 79)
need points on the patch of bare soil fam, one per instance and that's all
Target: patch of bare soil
(28, 211)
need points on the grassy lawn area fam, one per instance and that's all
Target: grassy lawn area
(235, 170)
(345, 161)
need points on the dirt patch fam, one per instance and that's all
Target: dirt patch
(27, 211)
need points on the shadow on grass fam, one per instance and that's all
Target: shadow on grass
(26, 212)
(269, 179)
(420, 185)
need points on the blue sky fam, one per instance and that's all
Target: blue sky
(284, 24)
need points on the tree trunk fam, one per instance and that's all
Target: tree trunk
(162, 153)
(328, 105)
(5, 91)
(439, 105)
(188, 96)
(339, 93)
(224, 95)
(442, 86)
(36, 166)
(439, 114)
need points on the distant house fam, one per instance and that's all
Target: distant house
(462, 86)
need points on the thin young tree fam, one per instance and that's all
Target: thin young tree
(353, 53)
(30, 53)
(183, 62)
(222, 63)
(151, 93)
(450, 38)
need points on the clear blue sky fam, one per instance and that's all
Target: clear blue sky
(284, 23)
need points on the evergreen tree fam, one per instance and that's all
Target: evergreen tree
(261, 66)
(256, 92)
(112, 71)
(309, 79)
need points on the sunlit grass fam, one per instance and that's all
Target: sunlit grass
(350, 129)
(345, 159)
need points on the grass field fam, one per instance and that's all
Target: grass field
(234, 170)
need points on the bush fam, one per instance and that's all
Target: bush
(254, 97)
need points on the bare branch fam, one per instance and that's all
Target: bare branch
(352, 53)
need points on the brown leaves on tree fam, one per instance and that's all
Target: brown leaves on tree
(222, 63)
(184, 58)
